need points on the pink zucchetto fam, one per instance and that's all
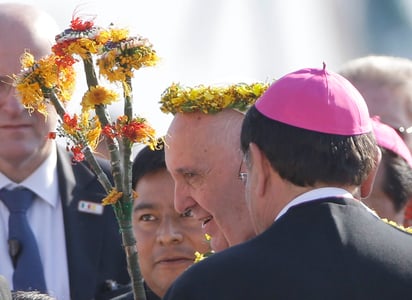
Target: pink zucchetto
(388, 138)
(317, 100)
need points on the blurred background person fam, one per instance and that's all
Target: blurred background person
(386, 84)
(392, 188)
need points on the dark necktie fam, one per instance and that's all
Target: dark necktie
(28, 270)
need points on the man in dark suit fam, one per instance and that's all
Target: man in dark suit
(78, 239)
(310, 155)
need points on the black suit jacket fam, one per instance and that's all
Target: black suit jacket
(330, 248)
(96, 259)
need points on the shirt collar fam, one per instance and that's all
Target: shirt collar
(42, 181)
(314, 195)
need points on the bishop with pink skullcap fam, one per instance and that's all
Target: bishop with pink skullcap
(388, 138)
(317, 100)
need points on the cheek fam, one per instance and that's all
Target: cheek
(44, 126)
(145, 246)
(215, 189)
(145, 237)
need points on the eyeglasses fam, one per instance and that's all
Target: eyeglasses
(403, 131)
(242, 176)
(5, 88)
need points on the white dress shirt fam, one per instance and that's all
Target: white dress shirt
(45, 217)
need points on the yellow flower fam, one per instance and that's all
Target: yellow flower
(98, 95)
(124, 55)
(27, 60)
(118, 34)
(38, 79)
(199, 256)
(92, 130)
(209, 99)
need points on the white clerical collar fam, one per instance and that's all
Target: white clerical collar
(315, 195)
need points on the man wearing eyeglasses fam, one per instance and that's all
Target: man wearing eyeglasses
(385, 82)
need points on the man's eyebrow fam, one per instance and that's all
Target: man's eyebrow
(144, 205)
(185, 170)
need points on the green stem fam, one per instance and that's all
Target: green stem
(123, 208)
(130, 244)
(127, 146)
(133, 260)
(114, 151)
(91, 78)
(96, 168)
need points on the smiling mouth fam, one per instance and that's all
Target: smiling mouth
(206, 220)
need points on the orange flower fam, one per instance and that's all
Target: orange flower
(112, 197)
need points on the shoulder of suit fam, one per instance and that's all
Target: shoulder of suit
(398, 226)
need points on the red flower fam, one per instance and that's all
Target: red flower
(78, 155)
(133, 131)
(78, 25)
(109, 131)
(63, 59)
(70, 122)
(51, 135)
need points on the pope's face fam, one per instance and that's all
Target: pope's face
(204, 164)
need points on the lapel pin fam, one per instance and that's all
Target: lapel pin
(90, 207)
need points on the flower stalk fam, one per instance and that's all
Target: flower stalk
(122, 181)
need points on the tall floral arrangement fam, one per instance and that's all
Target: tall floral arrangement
(114, 55)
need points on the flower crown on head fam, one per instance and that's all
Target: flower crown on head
(210, 99)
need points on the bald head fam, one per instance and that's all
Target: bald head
(212, 129)
(24, 27)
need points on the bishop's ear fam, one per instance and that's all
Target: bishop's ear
(367, 185)
(261, 168)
